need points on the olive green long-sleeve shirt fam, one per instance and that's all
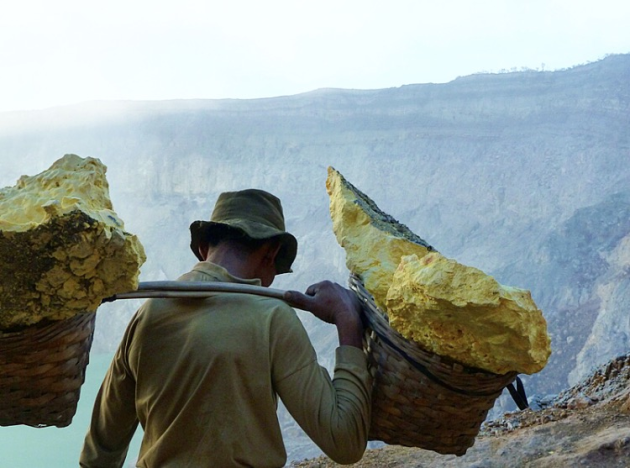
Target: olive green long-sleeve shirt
(202, 377)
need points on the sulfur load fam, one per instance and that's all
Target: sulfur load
(450, 309)
(62, 246)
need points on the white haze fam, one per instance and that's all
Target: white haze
(65, 52)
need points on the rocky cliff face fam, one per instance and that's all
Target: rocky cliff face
(523, 175)
(586, 257)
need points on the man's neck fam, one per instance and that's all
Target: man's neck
(236, 262)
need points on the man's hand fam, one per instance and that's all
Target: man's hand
(333, 304)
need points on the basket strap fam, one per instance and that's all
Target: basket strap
(518, 394)
(427, 372)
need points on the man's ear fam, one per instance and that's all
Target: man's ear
(272, 252)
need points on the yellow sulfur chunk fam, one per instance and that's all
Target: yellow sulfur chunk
(59, 238)
(458, 311)
(449, 309)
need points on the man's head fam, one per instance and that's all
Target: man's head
(251, 217)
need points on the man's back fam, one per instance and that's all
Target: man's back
(205, 378)
(206, 373)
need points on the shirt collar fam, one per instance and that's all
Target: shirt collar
(218, 273)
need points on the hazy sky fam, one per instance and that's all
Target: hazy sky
(67, 51)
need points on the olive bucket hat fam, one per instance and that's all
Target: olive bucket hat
(251, 213)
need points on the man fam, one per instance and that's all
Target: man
(202, 376)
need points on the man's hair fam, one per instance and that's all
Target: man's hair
(235, 237)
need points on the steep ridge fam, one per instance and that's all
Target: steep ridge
(585, 256)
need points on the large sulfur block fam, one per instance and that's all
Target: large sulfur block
(62, 247)
(450, 309)
(458, 311)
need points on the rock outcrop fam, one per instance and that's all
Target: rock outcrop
(63, 248)
(448, 308)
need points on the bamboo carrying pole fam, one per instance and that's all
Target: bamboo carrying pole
(192, 289)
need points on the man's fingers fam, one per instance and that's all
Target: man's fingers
(313, 289)
(297, 299)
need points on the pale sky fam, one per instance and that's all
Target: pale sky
(68, 51)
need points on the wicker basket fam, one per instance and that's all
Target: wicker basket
(42, 368)
(421, 399)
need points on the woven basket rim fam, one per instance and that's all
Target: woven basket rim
(430, 364)
(420, 399)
